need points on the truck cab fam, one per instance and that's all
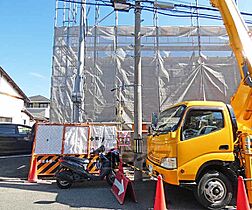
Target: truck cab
(192, 143)
(198, 142)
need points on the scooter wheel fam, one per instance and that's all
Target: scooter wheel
(110, 178)
(63, 184)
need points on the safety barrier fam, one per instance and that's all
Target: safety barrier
(47, 165)
(54, 140)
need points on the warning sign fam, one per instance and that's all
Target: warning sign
(122, 186)
(124, 138)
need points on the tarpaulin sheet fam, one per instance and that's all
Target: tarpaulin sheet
(76, 140)
(103, 135)
(173, 70)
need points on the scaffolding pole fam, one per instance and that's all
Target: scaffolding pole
(156, 42)
(94, 82)
(77, 93)
(118, 85)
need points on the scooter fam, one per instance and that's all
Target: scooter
(73, 169)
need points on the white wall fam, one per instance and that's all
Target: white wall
(6, 87)
(11, 107)
(47, 112)
(11, 104)
(26, 119)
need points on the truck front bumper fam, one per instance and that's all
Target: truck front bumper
(170, 176)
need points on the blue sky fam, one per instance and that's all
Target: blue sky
(26, 38)
(26, 43)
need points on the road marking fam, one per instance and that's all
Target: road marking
(14, 156)
(23, 166)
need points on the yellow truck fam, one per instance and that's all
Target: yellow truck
(207, 144)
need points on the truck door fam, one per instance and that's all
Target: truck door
(204, 134)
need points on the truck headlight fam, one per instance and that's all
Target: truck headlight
(169, 163)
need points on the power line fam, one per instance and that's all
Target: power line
(151, 9)
(184, 16)
(197, 7)
(189, 14)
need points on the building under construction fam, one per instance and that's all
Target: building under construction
(178, 63)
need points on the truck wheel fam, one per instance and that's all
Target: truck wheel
(214, 190)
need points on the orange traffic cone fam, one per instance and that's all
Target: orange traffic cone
(32, 177)
(160, 197)
(242, 202)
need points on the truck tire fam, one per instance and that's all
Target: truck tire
(214, 190)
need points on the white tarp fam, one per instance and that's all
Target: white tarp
(76, 140)
(97, 137)
(110, 137)
(103, 135)
(172, 71)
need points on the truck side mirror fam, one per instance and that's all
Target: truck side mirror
(154, 120)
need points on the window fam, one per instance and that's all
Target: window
(23, 129)
(5, 119)
(201, 122)
(43, 105)
(7, 129)
(36, 105)
(170, 118)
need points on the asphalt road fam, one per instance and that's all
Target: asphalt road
(17, 193)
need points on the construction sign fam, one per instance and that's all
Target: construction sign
(124, 138)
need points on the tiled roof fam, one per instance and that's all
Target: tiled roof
(37, 113)
(39, 98)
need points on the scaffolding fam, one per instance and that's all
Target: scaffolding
(178, 63)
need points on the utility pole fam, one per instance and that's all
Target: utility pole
(77, 94)
(122, 5)
(138, 139)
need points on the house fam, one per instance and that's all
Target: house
(12, 102)
(39, 107)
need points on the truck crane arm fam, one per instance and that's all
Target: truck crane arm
(241, 44)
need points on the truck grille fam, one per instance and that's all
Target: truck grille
(153, 158)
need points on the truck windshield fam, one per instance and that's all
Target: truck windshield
(169, 119)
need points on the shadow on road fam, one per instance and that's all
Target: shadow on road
(15, 166)
(98, 195)
(89, 194)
